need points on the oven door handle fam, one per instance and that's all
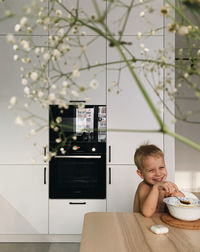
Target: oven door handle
(71, 156)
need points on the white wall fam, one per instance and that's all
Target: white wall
(187, 160)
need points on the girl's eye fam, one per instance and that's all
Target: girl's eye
(150, 171)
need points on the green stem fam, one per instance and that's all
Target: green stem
(182, 139)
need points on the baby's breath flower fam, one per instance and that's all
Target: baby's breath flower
(94, 84)
(146, 50)
(172, 27)
(59, 119)
(24, 81)
(75, 72)
(13, 100)
(65, 48)
(47, 20)
(69, 16)
(75, 93)
(32, 132)
(16, 57)
(84, 48)
(37, 50)
(75, 30)
(65, 84)
(61, 32)
(17, 27)
(82, 88)
(74, 138)
(58, 140)
(63, 92)
(183, 30)
(10, 38)
(139, 34)
(164, 10)
(15, 47)
(93, 16)
(142, 13)
(83, 33)
(56, 53)
(34, 76)
(26, 60)
(58, 13)
(53, 87)
(152, 32)
(27, 90)
(26, 45)
(63, 151)
(39, 21)
(52, 97)
(19, 121)
(40, 94)
(24, 21)
(87, 99)
(46, 56)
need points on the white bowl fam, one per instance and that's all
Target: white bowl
(181, 211)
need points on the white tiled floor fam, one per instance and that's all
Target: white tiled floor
(39, 247)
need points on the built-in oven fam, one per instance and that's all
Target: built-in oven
(78, 169)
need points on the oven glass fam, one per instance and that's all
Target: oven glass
(84, 120)
(78, 177)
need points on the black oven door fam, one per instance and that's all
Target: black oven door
(78, 177)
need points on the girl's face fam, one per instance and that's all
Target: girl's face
(153, 170)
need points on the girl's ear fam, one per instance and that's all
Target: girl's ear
(139, 173)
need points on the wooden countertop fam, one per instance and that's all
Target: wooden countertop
(130, 232)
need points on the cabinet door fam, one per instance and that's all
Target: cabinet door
(15, 146)
(126, 107)
(151, 21)
(91, 77)
(23, 199)
(66, 216)
(122, 145)
(121, 187)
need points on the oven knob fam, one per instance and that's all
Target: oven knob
(93, 149)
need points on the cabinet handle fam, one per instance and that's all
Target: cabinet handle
(77, 101)
(109, 153)
(77, 203)
(45, 173)
(45, 153)
(109, 178)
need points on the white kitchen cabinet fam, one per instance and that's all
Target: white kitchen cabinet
(66, 216)
(144, 17)
(15, 147)
(91, 84)
(122, 145)
(24, 199)
(122, 182)
(128, 109)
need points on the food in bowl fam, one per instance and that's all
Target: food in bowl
(187, 212)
